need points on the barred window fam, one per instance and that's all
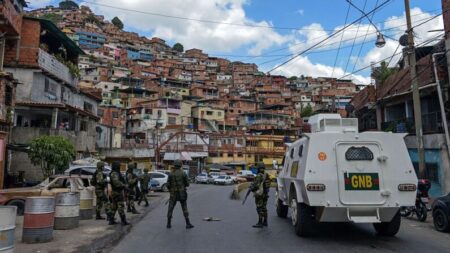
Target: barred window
(358, 154)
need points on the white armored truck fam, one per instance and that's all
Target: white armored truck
(336, 174)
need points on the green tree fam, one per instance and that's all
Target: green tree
(117, 22)
(383, 72)
(55, 18)
(307, 111)
(66, 5)
(51, 153)
(292, 78)
(178, 47)
(92, 19)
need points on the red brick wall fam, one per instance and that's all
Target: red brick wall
(29, 45)
(446, 17)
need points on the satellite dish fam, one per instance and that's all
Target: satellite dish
(403, 40)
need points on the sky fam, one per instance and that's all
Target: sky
(270, 32)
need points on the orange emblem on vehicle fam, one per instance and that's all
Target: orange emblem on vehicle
(322, 156)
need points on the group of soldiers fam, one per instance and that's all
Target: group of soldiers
(114, 190)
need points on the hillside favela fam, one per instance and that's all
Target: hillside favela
(97, 118)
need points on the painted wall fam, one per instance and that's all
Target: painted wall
(432, 156)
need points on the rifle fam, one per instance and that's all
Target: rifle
(246, 195)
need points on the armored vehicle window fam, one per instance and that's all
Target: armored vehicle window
(358, 154)
(292, 153)
(300, 151)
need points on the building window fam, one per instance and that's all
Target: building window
(230, 154)
(209, 113)
(49, 87)
(148, 111)
(83, 125)
(172, 121)
(219, 114)
(8, 96)
(100, 112)
(115, 115)
(240, 155)
(88, 107)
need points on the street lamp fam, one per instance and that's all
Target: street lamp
(380, 40)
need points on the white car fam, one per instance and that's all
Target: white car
(204, 178)
(85, 170)
(225, 180)
(161, 178)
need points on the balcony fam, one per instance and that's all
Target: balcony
(431, 123)
(52, 66)
(12, 19)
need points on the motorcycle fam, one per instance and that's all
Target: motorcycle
(422, 200)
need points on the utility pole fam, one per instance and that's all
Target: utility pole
(416, 94)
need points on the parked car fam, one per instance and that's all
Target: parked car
(247, 174)
(49, 187)
(84, 170)
(167, 172)
(215, 175)
(161, 178)
(153, 185)
(204, 178)
(224, 180)
(441, 213)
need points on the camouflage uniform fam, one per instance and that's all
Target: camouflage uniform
(177, 184)
(100, 182)
(118, 186)
(261, 199)
(144, 180)
(132, 181)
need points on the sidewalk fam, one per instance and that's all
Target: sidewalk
(91, 236)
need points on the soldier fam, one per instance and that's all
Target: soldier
(260, 188)
(100, 182)
(177, 184)
(118, 186)
(132, 181)
(144, 180)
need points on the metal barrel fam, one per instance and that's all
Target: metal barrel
(38, 219)
(86, 204)
(67, 210)
(7, 228)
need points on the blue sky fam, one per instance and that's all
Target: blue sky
(270, 47)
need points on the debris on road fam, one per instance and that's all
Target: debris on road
(211, 219)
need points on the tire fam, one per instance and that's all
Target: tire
(20, 205)
(389, 228)
(282, 210)
(421, 212)
(405, 212)
(164, 188)
(440, 220)
(302, 219)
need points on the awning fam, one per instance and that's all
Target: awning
(183, 156)
(219, 166)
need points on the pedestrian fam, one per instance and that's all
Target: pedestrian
(260, 188)
(144, 180)
(118, 186)
(100, 182)
(132, 181)
(177, 184)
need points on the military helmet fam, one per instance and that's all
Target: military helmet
(100, 165)
(145, 170)
(177, 163)
(260, 166)
(115, 166)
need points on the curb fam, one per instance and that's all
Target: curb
(107, 243)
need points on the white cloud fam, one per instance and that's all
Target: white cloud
(34, 4)
(206, 36)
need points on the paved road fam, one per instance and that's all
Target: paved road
(235, 234)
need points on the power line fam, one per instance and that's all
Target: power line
(354, 40)
(320, 42)
(340, 42)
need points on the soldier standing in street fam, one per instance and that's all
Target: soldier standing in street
(132, 181)
(118, 186)
(260, 188)
(177, 184)
(100, 182)
(144, 180)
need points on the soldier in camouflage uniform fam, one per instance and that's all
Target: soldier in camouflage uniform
(144, 180)
(260, 188)
(132, 181)
(118, 186)
(177, 184)
(100, 182)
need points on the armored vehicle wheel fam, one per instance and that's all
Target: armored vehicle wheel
(282, 210)
(302, 219)
(389, 228)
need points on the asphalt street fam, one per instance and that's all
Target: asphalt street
(234, 233)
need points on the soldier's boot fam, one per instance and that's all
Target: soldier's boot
(111, 220)
(188, 224)
(134, 211)
(265, 220)
(169, 223)
(146, 203)
(128, 209)
(259, 224)
(139, 202)
(123, 220)
(98, 216)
